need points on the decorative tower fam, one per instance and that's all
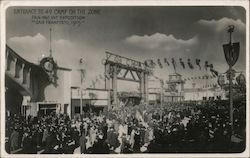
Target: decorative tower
(175, 88)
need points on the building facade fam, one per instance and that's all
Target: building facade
(89, 99)
(174, 89)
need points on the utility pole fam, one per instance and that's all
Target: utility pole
(231, 85)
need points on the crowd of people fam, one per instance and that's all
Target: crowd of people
(171, 128)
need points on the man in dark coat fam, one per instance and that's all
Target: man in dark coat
(75, 137)
(112, 138)
(27, 143)
(82, 142)
(101, 146)
(50, 142)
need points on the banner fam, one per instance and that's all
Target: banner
(231, 52)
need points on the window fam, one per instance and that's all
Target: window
(77, 109)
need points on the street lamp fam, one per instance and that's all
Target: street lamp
(231, 52)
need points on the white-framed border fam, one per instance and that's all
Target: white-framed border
(8, 3)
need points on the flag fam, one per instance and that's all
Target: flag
(190, 64)
(152, 63)
(82, 70)
(206, 65)
(174, 63)
(166, 61)
(231, 52)
(81, 61)
(138, 115)
(182, 63)
(214, 72)
(210, 66)
(159, 63)
(83, 73)
(198, 63)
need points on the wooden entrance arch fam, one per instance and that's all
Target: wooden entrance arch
(114, 64)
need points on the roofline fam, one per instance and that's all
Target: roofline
(19, 57)
(96, 89)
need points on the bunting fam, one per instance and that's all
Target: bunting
(214, 72)
(206, 65)
(198, 63)
(159, 63)
(190, 64)
(210, 66)
(182, 63)
(174, 63)
(153, 63)
(166, 61)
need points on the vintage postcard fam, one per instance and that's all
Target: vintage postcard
(116, 78)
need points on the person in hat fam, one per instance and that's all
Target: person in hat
(137, 143)
(14, 139)
(112, 138)
(100, 146)
(82, 142)
(26, 142)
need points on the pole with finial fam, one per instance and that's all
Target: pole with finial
(230, 31)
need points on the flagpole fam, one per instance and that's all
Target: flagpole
(81, 96)
(81, 87)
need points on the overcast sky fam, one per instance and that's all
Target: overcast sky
(136, 32)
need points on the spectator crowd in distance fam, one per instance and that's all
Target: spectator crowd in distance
(173, 128)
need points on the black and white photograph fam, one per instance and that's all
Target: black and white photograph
(124, 79)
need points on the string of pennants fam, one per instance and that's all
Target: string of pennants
(205, 77)
(200, 77)
(99, 78)
(151, 63)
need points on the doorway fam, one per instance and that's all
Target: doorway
(46, 109)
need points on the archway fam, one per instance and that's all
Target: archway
(119, 68)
